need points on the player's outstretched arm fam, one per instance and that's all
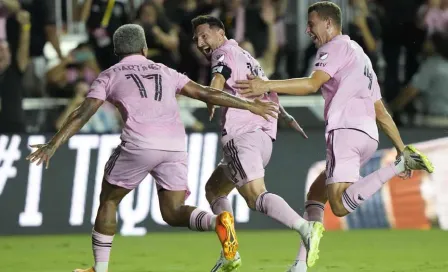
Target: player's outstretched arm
(297, 86)
(74, 122)
(217, 97)
(388, 126)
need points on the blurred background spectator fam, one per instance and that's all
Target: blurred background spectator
(71, 42)
(161, 36)
(13, 63)
(430, 84)
(102, 18)
(7, 7)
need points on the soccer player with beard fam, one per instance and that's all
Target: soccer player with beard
(353, 109)
(153, 141)
(247, 142)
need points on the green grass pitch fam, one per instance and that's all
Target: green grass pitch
(360, 251)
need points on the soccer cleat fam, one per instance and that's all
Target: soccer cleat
(85, 270)
(415, 160)
(298, 266)
(311, 242)
(225, 228)
(223, 265)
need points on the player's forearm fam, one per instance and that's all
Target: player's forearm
(74, 122)
(296, 86)
(388, 126)
(220, 98)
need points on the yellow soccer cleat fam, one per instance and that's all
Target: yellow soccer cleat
(225, 229)
(311, 242)
(415, 160)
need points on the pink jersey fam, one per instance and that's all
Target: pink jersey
(353, 89)
(145, 94)
(236, 121)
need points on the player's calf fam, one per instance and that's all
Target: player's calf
(314, 211)
(217, 189)
(105, 225)
(318, 190)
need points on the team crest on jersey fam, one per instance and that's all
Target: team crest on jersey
(220, 57)
(323, 56)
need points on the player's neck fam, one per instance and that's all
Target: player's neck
(223, 42)
(128, 55)
(333, 35)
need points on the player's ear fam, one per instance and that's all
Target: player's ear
(145, 52)
(221, 31)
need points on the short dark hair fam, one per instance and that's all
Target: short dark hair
(207, 19)
(326, 10)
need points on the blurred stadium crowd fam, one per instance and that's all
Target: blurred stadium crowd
(407, 41)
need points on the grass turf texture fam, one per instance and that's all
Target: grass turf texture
(360, 251)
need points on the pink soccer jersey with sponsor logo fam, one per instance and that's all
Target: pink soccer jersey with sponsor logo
(145, 94)
(353, 89)
(236, 121)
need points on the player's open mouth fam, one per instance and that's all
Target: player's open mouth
(207, 50)
(313, 38)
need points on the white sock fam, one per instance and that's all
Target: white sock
(399, 165)
(101, 266)
(213, 222)
(302, 267)
(302, 226)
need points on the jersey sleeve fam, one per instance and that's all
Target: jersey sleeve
(180, 80)
(99, 88)
(221, 63)
(330, 58)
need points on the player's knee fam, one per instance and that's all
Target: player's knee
(213, 191)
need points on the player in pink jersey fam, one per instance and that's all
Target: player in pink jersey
(353, 108)
(153, 141)
(247, 141)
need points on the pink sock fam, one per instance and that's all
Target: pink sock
(101, 244)
(202, 221)
(220, 205)
(276, 207)
(314, 211)
(364, 188)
